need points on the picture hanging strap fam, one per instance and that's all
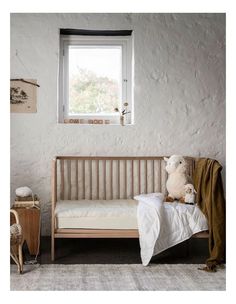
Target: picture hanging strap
(21, 79)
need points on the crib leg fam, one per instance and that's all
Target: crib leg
(20, 257)
(52, 248)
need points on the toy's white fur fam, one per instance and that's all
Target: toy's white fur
(177, 178)
(190, 192)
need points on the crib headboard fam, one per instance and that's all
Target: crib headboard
(95, 177)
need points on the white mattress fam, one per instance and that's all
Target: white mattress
(97, 214)
(120, 214)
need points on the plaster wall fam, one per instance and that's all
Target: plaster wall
(179, 93)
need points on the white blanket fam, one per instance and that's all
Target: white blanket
(162, 225)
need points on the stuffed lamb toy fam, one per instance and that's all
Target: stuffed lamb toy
(177, 178)
(189, 197)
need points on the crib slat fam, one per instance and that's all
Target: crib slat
(132, 178)
(91, 179)
(118, 177)
(125, 178)
(69, 178)
(139, 177)
(153, 176)
(146, 176)
(83, 178)
(62, 178)
(160, 175)
(76, 180)
(104, 179)
(97, 170)
(111, 177)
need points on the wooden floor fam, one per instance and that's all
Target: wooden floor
(118, 251)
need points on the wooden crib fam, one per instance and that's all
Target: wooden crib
(105, 178)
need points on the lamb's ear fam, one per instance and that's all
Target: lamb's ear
(195, 191)
(166, 159)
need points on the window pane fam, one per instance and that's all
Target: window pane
(94, 79)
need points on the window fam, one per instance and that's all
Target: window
(95, 76)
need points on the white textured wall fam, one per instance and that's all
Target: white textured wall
(179, 93)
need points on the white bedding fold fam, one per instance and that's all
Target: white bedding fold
(163, 225)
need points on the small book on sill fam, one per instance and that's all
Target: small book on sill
(25, 204)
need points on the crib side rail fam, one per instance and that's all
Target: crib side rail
(99, 177)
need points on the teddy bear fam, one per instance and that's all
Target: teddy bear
(176, 167)
(190, 192)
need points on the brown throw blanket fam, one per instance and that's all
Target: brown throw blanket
(210, 199)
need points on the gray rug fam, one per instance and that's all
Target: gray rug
(117, 277)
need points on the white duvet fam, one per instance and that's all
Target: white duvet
(162, 225)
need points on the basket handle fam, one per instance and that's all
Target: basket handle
(16, 215)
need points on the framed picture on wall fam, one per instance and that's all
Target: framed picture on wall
(23, 95)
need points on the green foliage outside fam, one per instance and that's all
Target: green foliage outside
(89, 93)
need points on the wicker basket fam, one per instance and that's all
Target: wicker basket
(15, 234)
(16, 238)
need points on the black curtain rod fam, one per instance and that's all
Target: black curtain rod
(95, 32)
